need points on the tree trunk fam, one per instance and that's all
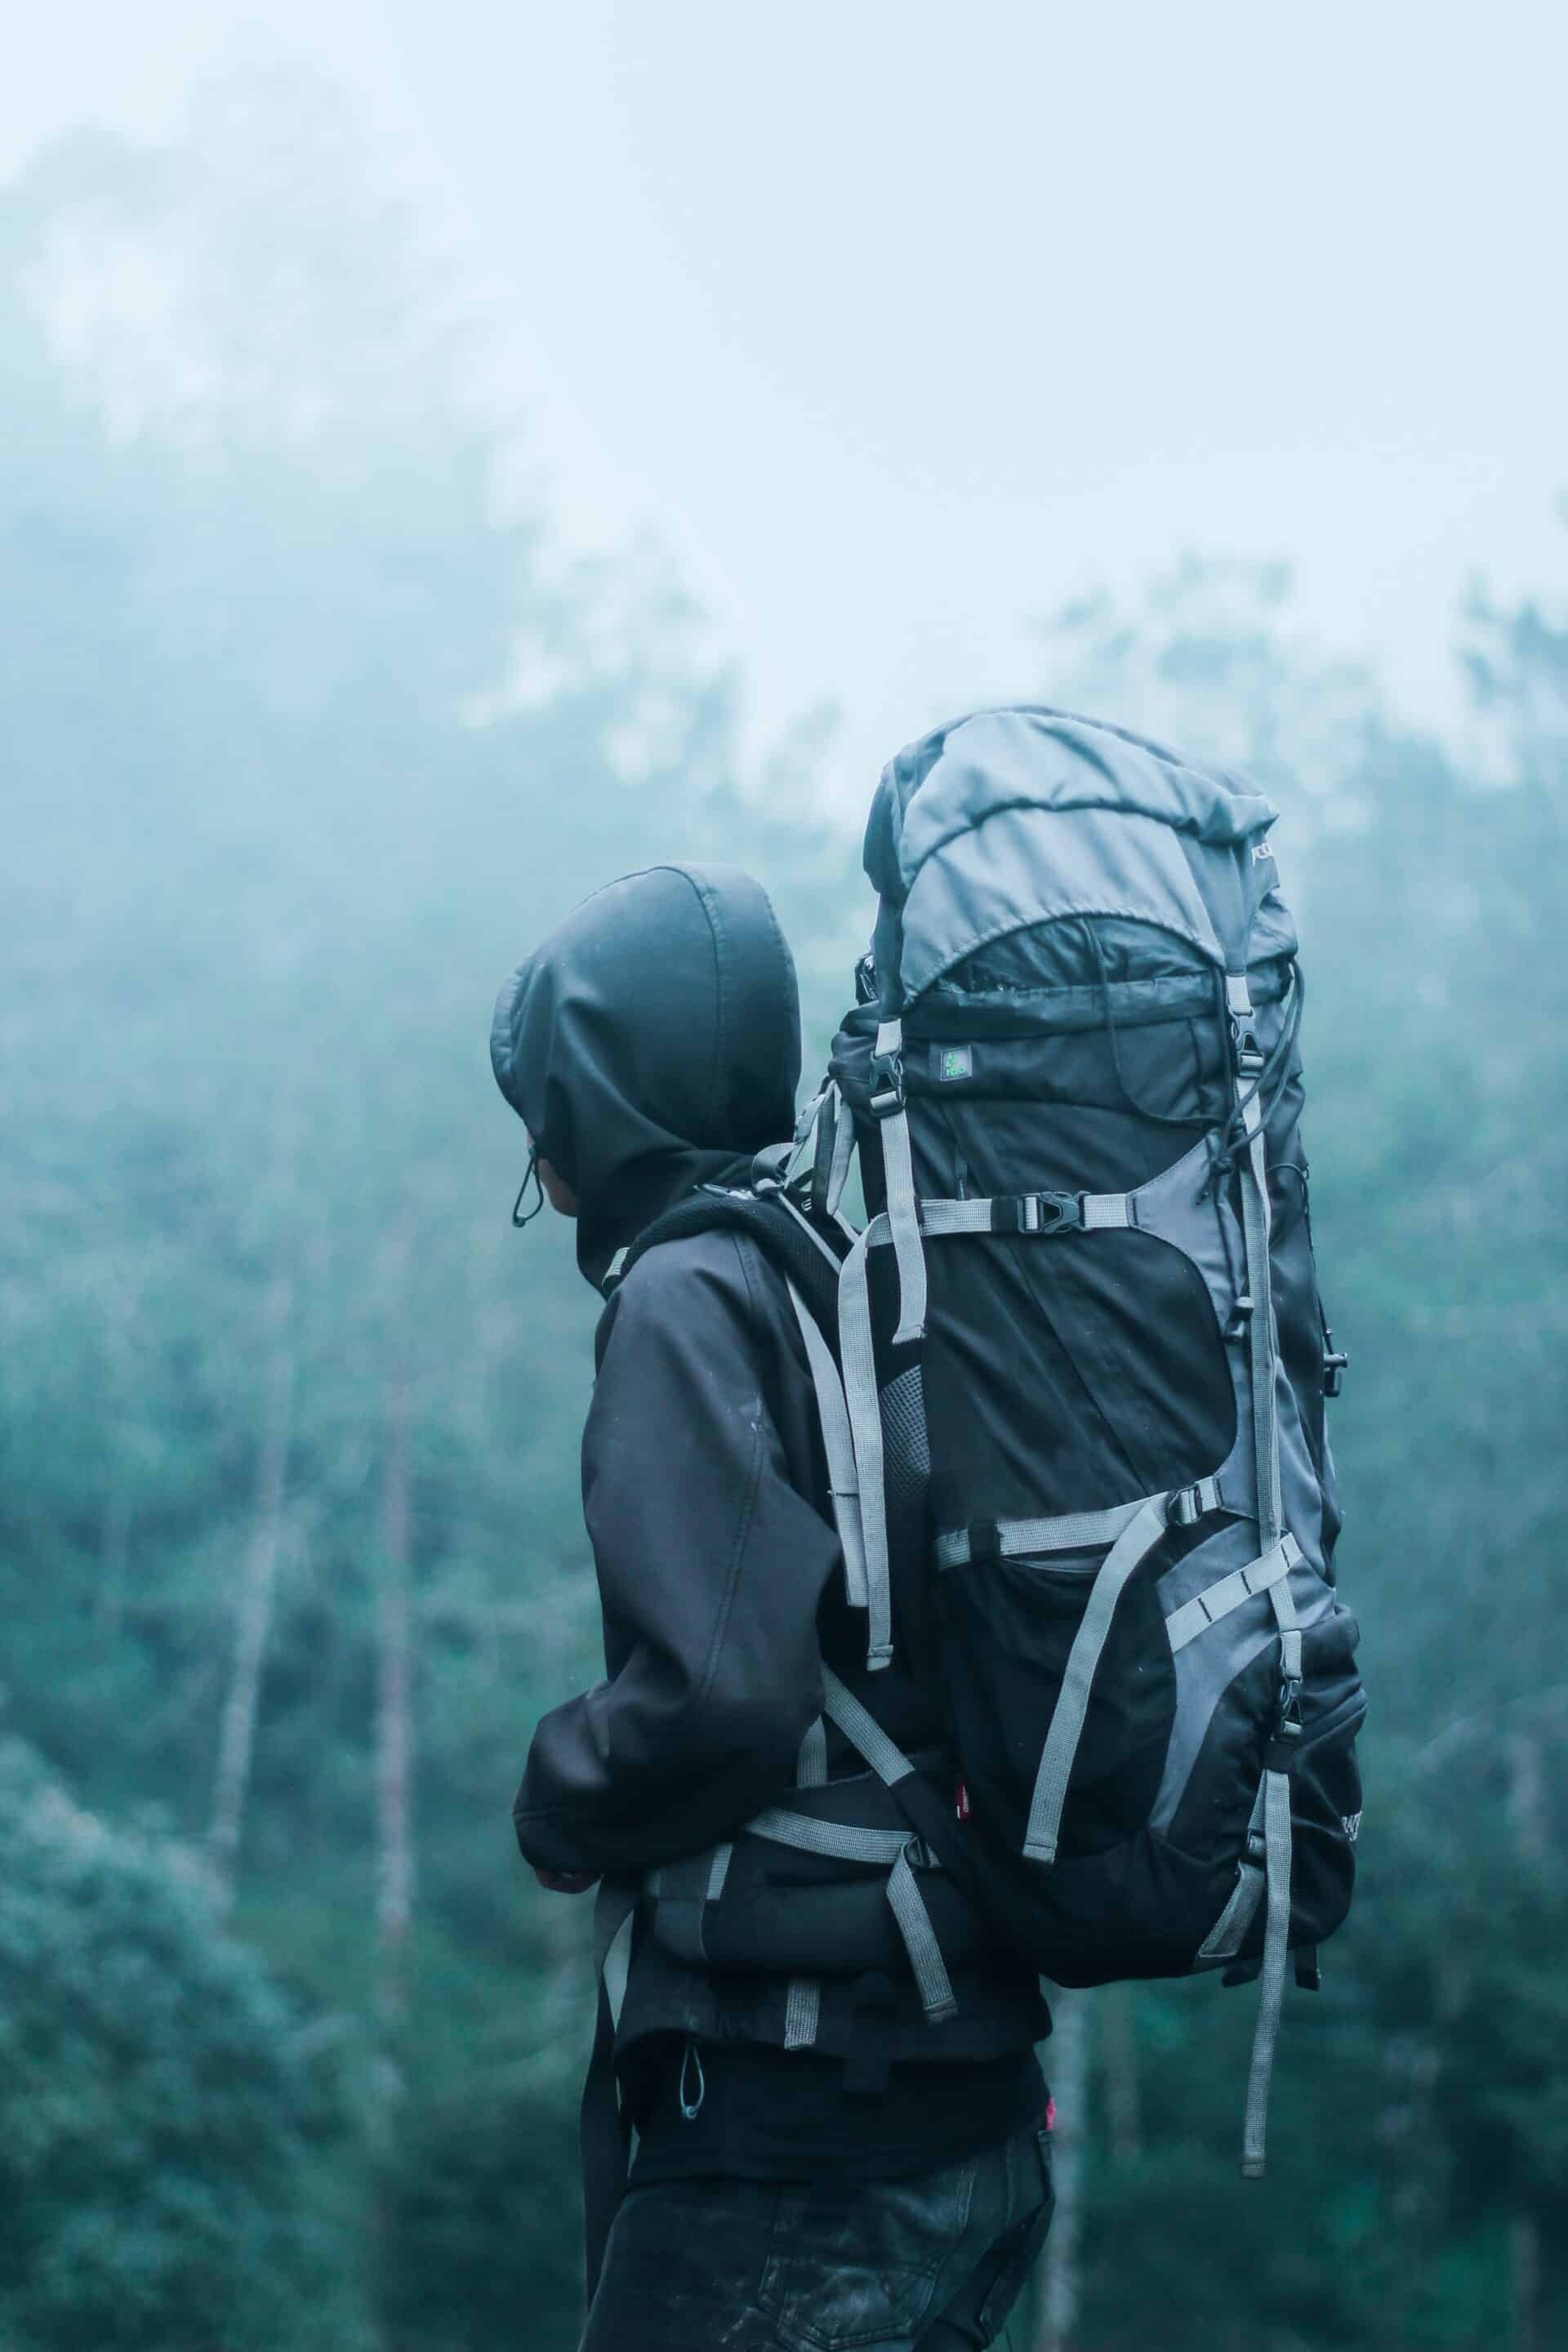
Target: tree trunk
(1123, 2090)
(1057, 2281)
(1527, 1819)
(1524, 2284)
(252, 1617)
(394, 1748)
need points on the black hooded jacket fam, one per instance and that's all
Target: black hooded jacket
(652, 1045)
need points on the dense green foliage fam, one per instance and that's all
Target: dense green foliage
(170, 2162)
(306, 742)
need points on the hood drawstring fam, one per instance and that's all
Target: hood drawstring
(521, 1216)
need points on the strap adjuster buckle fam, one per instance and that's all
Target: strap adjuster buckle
(1185, 1507)
(1249, 1056)
(1334, 1363)
(887, 1077)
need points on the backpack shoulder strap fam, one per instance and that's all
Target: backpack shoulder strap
(805, 1248)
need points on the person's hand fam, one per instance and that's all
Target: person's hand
(567, 1882)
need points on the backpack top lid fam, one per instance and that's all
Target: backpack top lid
(1011, 817)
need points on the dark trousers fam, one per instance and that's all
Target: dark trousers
(932, 2265)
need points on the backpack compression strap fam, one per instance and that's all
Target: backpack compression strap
(1275, 1791)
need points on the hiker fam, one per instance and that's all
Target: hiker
(841, 2123)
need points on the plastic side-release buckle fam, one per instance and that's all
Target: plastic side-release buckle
(1037, 1213)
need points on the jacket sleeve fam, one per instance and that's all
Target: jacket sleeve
(710, 1565)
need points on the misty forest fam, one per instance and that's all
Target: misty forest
(310, 732)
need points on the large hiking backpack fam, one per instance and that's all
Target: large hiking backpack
(1083, 1316)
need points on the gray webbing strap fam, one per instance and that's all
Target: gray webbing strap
(1140, 1533)
(941, 1219)
(811, 1769)
(890, 1764)
(843, 1151)
(838, 1841)
(838, 1444)
(1183, 1625)
(1067, 1531)
(1255, 1222)
(1275, 1949)
(803, 2012)
(903, 1217)
(1079, 1530)
(914, 1925)
(862, 1730)
(719, 1871)
(859, 1357)
(802, 2002)
(1260, 1330)
(1277, 1932)
(846, 1843)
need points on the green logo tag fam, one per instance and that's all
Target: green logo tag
(957, 1062)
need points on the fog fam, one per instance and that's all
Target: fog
(900, 327)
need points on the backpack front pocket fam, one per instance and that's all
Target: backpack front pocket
(1017, 1623)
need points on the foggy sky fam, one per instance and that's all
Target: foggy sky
(900, 323)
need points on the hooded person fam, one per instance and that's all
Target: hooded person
(651, 1046)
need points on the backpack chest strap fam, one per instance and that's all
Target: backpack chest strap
(1043, 1213)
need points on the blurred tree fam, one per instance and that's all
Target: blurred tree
(310, 737)
(166, 2165)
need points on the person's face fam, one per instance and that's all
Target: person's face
(557, 1189)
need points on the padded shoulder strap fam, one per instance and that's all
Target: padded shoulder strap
(806, 1249)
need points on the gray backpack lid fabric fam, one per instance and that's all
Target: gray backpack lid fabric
(1013, 816)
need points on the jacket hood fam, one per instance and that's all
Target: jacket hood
(652, 1043)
